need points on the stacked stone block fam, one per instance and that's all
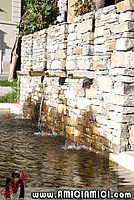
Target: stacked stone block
(88, 88)
(80, 46)
(113, 61)
(39, 50)
(56, 50)
(34, 59)
(27, 53)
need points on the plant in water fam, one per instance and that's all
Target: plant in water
(39, 14)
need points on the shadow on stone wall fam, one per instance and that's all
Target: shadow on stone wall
(30, 108)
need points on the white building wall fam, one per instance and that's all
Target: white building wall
(8, 31)
(16, 11)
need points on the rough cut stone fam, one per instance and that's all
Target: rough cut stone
(128, 35)
(72, 36)
(91, 93)
(122, 27)
(125, 79)
(71, 28)
(124, 44)
(76, 133)
(117, 117)
(119, 88)
(127, 16)
(85, 63)
(110, 46)
(99, 40)
(101, 120)
(70, 129)
(60, 54)
(118, 61)
(129, 100)
(82, 74)
(105, 17)
(71, 103)
(77, 50)
(98, 63)
(128, 110)
(82, 103)
(86, 49)
(99, 32)
(96, 109)
(84, 26)
(73, 120)
(131, 131)
(87, 37)
(55, 64)
(105, 84)
(99, 48)
(61, 108)
(57, 73)
(125, 6)
(71, 64)
(108, 9)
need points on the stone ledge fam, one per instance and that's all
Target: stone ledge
(23, 73)
(57, 73)
(36, 73)
(31, 73)
(82, 74)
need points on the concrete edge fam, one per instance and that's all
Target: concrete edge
(12, 107)
(123, 159)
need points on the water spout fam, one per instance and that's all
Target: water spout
(40, 114)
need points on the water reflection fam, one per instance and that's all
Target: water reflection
(48, 162)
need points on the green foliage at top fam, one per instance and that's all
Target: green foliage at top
(39, 14)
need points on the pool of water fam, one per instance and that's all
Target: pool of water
(51, 162)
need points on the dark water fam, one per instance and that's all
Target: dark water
(52, 165)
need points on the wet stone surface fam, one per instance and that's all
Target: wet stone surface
(52, 162)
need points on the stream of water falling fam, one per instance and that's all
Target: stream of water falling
(40, 114)
(52, 162)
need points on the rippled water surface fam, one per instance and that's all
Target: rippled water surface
(51, 164)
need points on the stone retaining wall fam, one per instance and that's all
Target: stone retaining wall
(88, 86)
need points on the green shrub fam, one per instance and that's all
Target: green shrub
(39, 14)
